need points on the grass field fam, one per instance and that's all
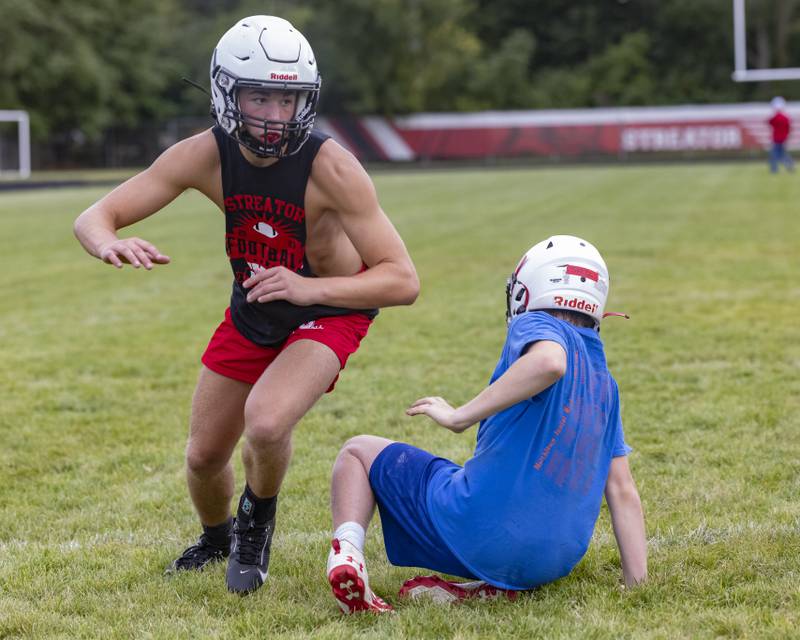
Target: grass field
(98, 367)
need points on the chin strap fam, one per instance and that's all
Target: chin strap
(617, 315)
(246, 136)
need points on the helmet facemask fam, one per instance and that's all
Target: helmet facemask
(517, 294)
(280, 137)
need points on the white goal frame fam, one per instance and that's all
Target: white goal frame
(741, 73)
(24, 138)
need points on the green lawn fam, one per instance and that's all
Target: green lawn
(98, 367)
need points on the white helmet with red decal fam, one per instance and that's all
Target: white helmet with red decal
(561, 272)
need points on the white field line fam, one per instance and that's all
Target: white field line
(662, 539)
(144, 540)
(705, 535)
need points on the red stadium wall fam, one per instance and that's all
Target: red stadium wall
(569, 133)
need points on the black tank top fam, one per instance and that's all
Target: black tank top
(265, 227)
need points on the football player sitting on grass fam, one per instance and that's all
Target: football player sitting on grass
(520, 512)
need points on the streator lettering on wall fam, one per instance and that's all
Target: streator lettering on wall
(681, 138)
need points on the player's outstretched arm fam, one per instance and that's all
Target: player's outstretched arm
(541, 366)
(628, 521)
(185, 164)
(341, 186)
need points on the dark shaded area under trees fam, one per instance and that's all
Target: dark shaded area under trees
(88, 72)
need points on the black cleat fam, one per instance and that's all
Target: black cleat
(248, 564)
(199, 556)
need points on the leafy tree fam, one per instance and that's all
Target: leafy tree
(82, 68)
(500, 76)
(202, 24)
(390, 56)
(623, 73)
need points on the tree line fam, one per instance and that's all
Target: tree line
(82, 68)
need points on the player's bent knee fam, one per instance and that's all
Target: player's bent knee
(205, 462)
(365, 448)
(266, 432)
(355, 445)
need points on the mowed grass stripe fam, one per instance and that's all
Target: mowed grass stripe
(99, 365)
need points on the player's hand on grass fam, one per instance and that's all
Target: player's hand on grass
(438, 410)
(280, 283)
(133, 251)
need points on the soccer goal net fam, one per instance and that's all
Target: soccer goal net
(15, 144)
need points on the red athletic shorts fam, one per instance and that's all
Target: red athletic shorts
(232, 355)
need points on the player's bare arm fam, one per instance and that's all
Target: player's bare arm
(541, 366)
(341, 200)
(190, 163)
(627, 519)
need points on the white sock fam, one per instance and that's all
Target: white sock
(352, 532)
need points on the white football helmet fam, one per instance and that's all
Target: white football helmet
(265, 52)
(562, 272)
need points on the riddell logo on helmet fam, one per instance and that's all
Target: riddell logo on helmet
(283, 76)
(575, 303)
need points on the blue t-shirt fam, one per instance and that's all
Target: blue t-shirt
(522, 510)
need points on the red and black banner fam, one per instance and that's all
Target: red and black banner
(569, 133)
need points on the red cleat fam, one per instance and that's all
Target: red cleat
(347, 575)
(440, 590)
